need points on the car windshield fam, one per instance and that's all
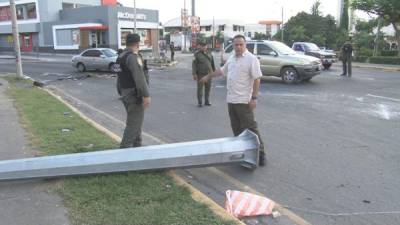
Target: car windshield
(109, 52)
(311, 47)
(282, 49)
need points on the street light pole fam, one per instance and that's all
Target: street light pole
(16, 38)
(193, 8)
(134, 17)
(184, 25)
(282, 26)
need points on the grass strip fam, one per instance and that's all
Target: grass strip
(125, 198)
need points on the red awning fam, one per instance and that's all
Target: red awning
(102, 27)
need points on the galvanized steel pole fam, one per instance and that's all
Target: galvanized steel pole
(243, 150)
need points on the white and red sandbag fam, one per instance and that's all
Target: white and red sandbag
(244, 204)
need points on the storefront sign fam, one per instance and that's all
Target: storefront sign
(131, 16)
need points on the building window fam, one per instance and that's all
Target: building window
(64, 37)
(221, 27)
(31, 10)
(24, 12)
(75, 36)
(235, 28)
(20, 12)
(269, 28)
(27, 41)
(124, 33)
(5, 13)
(103, 37)
(208, 28)
(66, 5)
(142, 33)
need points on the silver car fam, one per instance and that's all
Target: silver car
(277, 59)
(95, 59)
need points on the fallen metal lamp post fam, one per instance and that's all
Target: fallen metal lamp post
(242, 149)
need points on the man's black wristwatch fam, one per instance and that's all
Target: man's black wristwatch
(253, 97)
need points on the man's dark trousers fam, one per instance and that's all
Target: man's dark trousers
(203, 86)
(242, 118)
(135, 115)
(347, 65)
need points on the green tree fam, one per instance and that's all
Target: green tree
(389, 10)
(309, 27)
(260, 36)
(315, 8)
(366, 26)
(220, 37)
(318, 39)
(298, 34)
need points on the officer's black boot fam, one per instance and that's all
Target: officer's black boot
(207, 103)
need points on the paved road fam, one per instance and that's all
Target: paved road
(332, 143)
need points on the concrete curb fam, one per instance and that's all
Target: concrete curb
(390, 69)
(195, 193)
(41, 59)
(376, 67)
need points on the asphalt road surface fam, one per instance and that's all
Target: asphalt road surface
(332, 144)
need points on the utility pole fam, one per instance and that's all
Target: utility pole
(193, 36)
(134, 17)
(213, 35)
(282, 26)
(16, 38)
(184, 24)
(193, 8)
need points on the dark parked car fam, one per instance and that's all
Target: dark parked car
(307, 48)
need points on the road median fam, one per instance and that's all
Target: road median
(125, 198)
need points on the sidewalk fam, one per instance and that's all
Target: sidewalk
(49, 57)
(377, 66)
(23, 202)
(385, 67)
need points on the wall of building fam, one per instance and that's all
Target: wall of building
(51, 13)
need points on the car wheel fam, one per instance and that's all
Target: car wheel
(81, 67)
(289, 75)
(327, 66)
(113, 67)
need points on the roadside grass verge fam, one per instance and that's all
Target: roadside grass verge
(126, 198)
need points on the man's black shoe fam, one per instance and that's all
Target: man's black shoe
(343, 75)
(207, 104)
(199, 105)
(261, 159)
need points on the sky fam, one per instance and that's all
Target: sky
(249, 11)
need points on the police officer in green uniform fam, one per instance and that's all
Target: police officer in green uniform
(347, 52)
(133, 87)
(202, 65)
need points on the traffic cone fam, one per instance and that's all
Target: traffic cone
(243, 204)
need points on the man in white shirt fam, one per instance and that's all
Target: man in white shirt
(243, 74)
